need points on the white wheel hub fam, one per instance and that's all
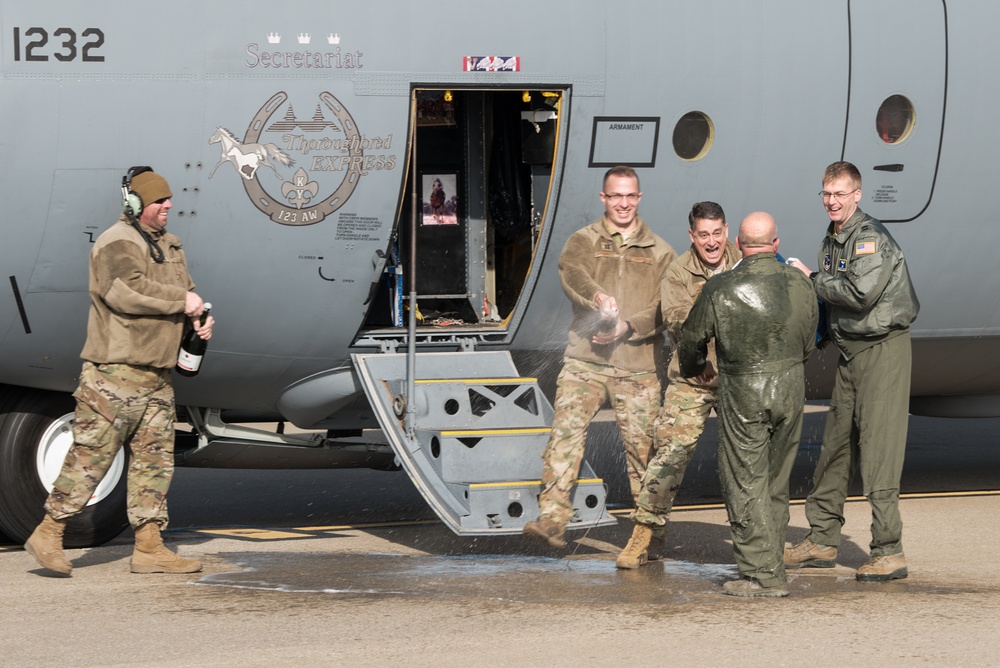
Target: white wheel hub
(52, 449)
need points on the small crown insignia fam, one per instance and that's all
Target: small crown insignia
(273, 38)
(304, 38)
(333, 39)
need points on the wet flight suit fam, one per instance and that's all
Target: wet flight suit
(763, 316)
(870, 304)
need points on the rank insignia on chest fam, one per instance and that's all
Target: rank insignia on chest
(864, 248)
(607, 246)
(826, 263)
(841, 265)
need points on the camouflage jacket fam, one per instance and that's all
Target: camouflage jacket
(136, 305)
(591, 263)
(682, 284)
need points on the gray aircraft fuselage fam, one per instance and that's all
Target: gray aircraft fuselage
(297, 137)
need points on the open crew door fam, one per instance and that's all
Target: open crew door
(476, 445)
(481, 178)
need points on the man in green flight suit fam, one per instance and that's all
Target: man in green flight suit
(762, 315)
(870, 304)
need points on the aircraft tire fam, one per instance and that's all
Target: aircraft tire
(29, 422)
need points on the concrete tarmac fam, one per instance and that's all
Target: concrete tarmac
(420, 596)
(292, 578)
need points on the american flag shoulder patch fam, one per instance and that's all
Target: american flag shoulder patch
(864, 248)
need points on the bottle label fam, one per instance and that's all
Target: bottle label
(187, 361)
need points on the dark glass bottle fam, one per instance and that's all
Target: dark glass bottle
(192, 349)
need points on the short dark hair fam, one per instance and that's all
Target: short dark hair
(621, 170)
(706, 210)
(840, 169)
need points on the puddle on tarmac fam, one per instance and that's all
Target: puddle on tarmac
(519, 578)
(500, 577)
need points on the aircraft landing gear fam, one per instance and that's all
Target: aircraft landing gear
(35, 434)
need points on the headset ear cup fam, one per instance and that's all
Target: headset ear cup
(133, 204)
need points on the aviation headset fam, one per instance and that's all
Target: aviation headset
(132, 206)
(131, 202)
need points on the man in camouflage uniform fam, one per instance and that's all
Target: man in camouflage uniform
(611, 272)
(686, 402)
(141, 300)
(870, 304)
(763, 316)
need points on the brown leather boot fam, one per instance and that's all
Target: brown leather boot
(636, 553)
(546, 531)
(152, 556)
(880, 569)
(45, 545)
(810, 555)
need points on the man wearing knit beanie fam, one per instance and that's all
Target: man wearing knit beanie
(141, 302)
(153, 203)
(150, 187)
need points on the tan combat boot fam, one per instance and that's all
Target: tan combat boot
(45, 545)
(636, 553)
(152, 556)
(880, 569)
(655, 551)
(547, 531)
(810, 555)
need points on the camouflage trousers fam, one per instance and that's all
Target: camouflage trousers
(675, 435)
(119, 404)
(581, 391)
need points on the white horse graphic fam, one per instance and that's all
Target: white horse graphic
(247, 158)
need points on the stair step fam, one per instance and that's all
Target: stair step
(527, 483)
(507, 505)
(484, 455)
(477, 381)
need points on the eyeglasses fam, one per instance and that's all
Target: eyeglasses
(824, 195)
(615, 198)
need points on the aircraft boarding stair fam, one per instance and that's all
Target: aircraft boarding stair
(477, 437)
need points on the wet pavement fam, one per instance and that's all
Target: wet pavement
(349, 568)
(525, 579)
(417, 595)
(509, 578)
(512, 570)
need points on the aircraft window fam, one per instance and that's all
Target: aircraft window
(693, 135)
(894, 120)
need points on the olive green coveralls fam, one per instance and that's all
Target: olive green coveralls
(870, 304)
(763, 316)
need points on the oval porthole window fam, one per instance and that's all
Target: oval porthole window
(693, 135)
(894, 120)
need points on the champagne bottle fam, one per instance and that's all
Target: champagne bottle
(192, 349)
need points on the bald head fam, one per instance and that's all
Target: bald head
(758, 234)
